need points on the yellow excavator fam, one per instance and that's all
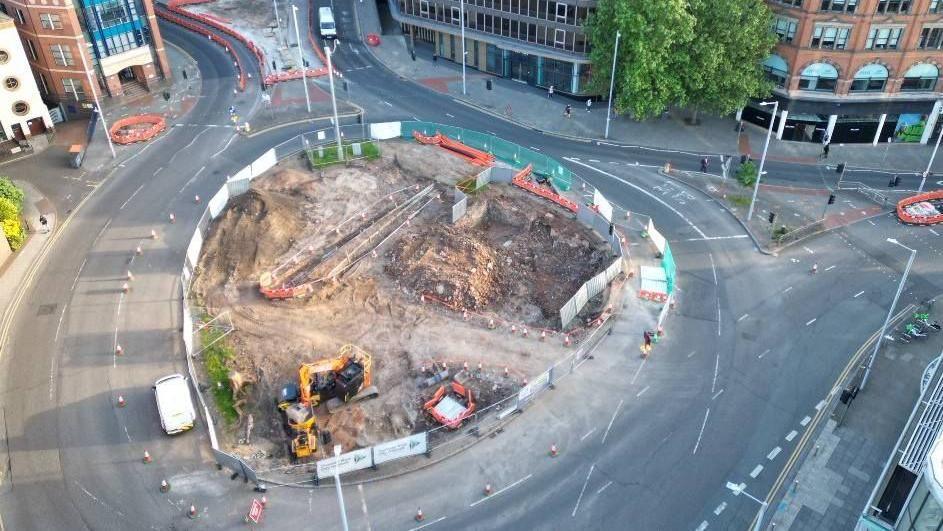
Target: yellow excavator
(304, 426)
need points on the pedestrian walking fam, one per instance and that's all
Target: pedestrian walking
(589, 104)
(825, 150)
(567, 110)
(704, 164)
(550, 92)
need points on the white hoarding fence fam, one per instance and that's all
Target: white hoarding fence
(263, 163)
(245, 173)
(407, 446)
(656, 237)
(218, 203)
(602, 205)
(386, 130)
(193, 250)
(483, 178)
(531, 389)
(355, 460)
(461, 204)
(238, 187)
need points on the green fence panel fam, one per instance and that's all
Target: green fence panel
(668, 264)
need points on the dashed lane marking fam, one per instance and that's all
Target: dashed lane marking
(860, 293)
(873, 224)
(604, 487)
(805, 421)
(702, 527)
(787, 290)
(642, 392)
(756, 471)
(639, 370)
(791, 435)
(701, 433)
(765, 352)
(449, 115)
(935, 233)
(810, 251)
(773, 453)
(812, 321)
(583, 490)
(829, 268)
(742, 317)
(505, 489)
(436, 521)
(594, 160)
(720, 508)
(613, 419)
(718, 393)
(590, 432)
(693, 352)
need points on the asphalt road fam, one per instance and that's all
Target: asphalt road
(755, 345)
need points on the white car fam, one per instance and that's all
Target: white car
(174, 404)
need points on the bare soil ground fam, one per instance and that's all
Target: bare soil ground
(512, 256)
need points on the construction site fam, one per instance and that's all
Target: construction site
(361, 313)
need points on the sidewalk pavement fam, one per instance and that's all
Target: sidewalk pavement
(531, 106)
(17, 266)
(845, 461)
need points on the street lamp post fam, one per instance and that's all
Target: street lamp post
(612, 81)
(890, 311)
(278, 22)
(301, 60)
(337, 123)
(337, 483)
(98, 108)
(741, 489)
(759, 173)
(461, 22)
(923, 181)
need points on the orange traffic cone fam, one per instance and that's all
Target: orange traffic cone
(419, 515)
(191, 514)
(121, 402)
(488, 489)
(264, 501)
(130, 275)
(543, 335)
(506, 372)
(138, 251)
(566, 340)
(524, 331)
(153, 234)
(464, 315)
(147, 457)
(513, 329)
(491, 324)
(125, 287)
(553, 450)
(118, 350)
(196, 199)
(164, 486)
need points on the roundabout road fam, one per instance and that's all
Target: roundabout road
(754, 346)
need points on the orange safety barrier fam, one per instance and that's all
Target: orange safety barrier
(521, 180)
(179, 17)
(468, 153)
(278, 77)
(653, 295)
(123, 131)
(459, 390)
(914, 219)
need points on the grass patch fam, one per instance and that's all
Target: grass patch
(216, 353)
(328, 155)
(739, 200)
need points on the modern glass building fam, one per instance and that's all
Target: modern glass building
(538, 42)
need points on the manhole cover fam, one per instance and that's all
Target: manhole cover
(46, 309)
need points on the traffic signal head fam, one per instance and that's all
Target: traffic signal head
(831, 199)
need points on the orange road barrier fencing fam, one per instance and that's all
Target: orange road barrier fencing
(138, 128)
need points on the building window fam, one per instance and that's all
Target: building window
(870, 78)
(794, 3)
(112, 13)
(74, 88)
(785, 28)
(50, 21)
(559, 38)
(11, 83)
(820, 77)
(931, 38)
(424, 8)
(884, 38)
(893, 6)
(42, 84)
(847, 6)
(62, 55)
(31, 49)
(19, 16)
(920, 77)
(4, 57)
(830, 37)
(936, 6)
(20, 108)
(456, 16)
(776, 70)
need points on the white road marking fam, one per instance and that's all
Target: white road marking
(535, 148)
(756, 471)
(363, 505)
(805, 421)
(812, 321)
(703, 526)
(416, 119)
(742, 317)
(511, 486)
(644, 191)
(718, 393)
(637, 371)
(642, 392)
(613, 419)
(78, 274)
(772, 455)
(437, 520)
(791, 435)
(693, 352)
(810, 251)
(52, 377)
(594, 160)
(604, 487)
(158, 170)
(126, 434)
(585, 482)
(829, 268)
(447, 114)
(220, 152)
(787, 290)
(58, 326)
(718, 317)
(132, 197)
(765, 352)
(195, 175)
(720, 508)
(590, 432)
(716, 370)
(873, 224)
(935, 233)
(712, 238)
(701, 434)
(820, 405)
(713, 269)
(387, 104)
(860, 293)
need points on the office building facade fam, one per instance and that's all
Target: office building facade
(855, 70)
(22, 111)
(119, 38)
(538, 42)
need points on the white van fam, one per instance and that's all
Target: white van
(326, 23)
(174, 404)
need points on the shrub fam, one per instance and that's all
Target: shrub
(14, 232)
(8, 209)
(746, 173)
(11, 192)
(216, 355)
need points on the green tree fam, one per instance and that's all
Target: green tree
(652, 33)
(8, 209)
(721, 65)
(11, 192)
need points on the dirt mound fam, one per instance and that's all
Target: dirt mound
(264, 225)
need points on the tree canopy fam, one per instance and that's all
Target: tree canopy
(692, 53)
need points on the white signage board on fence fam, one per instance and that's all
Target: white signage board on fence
(533, 387)
(245, 173)
(405, 447)
(356, 460)
(263, 163)
(385, 130)
(193, 250)
(218, 203)
(656, 237)
(605, 209)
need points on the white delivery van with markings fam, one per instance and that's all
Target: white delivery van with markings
(174, 404)
(326, 23)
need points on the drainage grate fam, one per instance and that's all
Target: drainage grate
(47, 309)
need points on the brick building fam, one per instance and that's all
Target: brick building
(22, 111)
(119, 38)
(855, 70)
(538, 42)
